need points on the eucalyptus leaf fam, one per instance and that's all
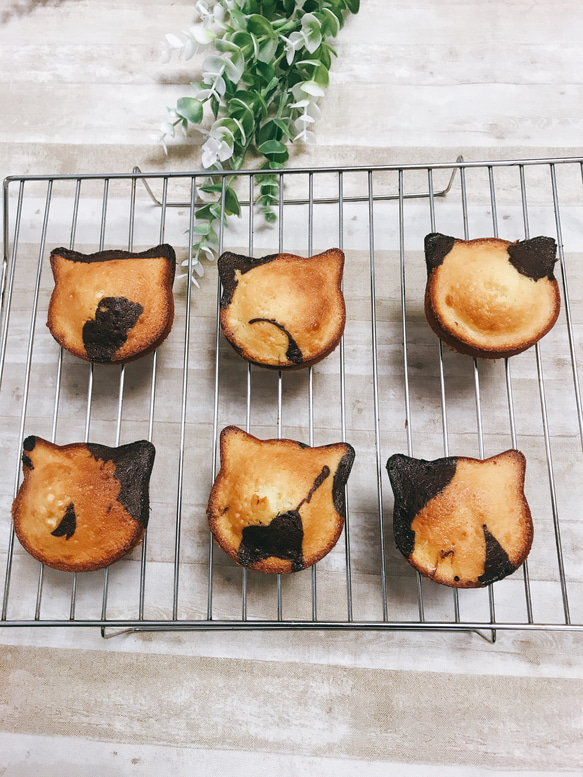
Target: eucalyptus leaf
(260, 26)
(234, 66)
(267, 68)
(267, 49)
(190, 108)
(272, 147)
(311, 87)
(232, 206)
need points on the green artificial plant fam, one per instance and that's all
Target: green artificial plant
(260, 86)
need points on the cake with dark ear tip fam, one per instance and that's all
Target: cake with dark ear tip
(490, 298)
(459, 521)
(283, 311)
(82, 506)
(112, 306)
(278, 506)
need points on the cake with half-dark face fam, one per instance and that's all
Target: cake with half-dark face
(283, 311)
(459, 521)
(490, 298)
(82, 506)
(112, 306)
(278, 506)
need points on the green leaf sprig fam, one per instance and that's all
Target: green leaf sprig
(269, 66)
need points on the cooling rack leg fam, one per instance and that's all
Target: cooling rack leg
(109, 634)
(491, 638)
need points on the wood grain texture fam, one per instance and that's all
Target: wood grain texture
(425, 74)
(416, 81)
(366, 714)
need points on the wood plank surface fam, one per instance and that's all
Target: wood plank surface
(83, 89)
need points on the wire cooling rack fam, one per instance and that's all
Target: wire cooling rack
(389, 387)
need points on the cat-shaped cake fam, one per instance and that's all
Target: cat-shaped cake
(82, 506)
(459, 521)
(491, 298)
(278, 505)
(283, 311)
(112, 306)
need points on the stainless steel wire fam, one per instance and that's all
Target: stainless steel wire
(389, 203)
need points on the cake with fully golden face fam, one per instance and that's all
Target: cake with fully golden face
(459, 521)
(490, 298)
(112, 306)
(278, 505)
(283, 311)
(82, 506)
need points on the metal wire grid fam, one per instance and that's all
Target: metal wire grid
(372, 199)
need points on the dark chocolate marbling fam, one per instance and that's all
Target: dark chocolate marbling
(68, 523)
(27, 446)
(415, 483)
(293, 353)
(497, 564)
(133, 467)
(534, 258)
(282, 538)
(164, 251)
(437, 247)
(105, 334)
(340, 480)
(228, 263)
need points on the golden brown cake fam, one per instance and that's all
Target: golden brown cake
(490, 298)
(278, 505)
(112, 306)
(459, 521)
(82, 506)
(283, 311)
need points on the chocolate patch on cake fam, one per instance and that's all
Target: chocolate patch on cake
(497, 563)
(317, 483)
(415, 483)
(68, 524)
(165, 251)
(339, 482)
(28, 445)
(534, 258)
(133, 467)
(282, 538)
(293, 352)
(105, 334)
(437, 247)
(229, 263)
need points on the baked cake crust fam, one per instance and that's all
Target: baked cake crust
(278, 506)
(491, 298)
(82, 506)
(112, 306)
(283, 311)
(459, 521)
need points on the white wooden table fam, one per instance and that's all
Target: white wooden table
(415, 82)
